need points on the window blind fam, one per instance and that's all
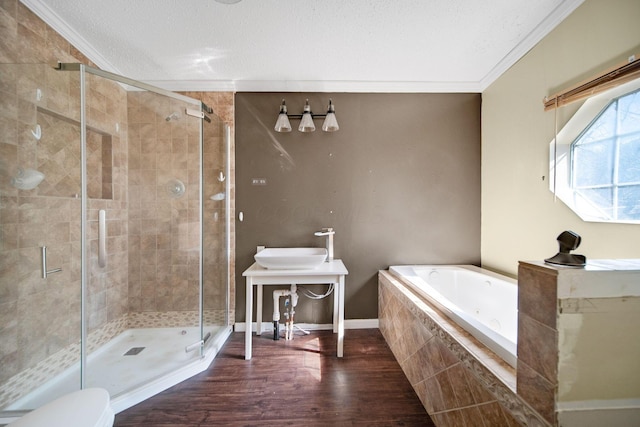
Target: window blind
(607, 80)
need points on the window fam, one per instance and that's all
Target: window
(597, 172)
(606, 160)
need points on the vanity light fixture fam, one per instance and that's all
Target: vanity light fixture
(330, 123)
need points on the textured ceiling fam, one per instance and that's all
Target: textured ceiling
(313, 45)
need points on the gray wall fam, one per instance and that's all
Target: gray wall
(399, 182)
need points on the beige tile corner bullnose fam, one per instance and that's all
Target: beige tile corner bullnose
(537, 293)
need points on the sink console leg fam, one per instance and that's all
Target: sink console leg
(248, 318)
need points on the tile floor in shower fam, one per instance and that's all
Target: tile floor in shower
(108, 367)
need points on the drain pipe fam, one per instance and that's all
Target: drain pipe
(294, 303)
(293, 292)
(290, 308)
(276, 311)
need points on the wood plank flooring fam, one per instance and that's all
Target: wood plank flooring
(297, 382)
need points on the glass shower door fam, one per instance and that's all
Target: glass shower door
(143, 302)
(112, 180)
(40, 235)
(215, 230)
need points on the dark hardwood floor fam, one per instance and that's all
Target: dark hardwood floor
(297, 382)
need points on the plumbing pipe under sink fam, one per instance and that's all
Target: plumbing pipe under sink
(293, 292)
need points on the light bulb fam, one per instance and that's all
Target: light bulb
(306, 123)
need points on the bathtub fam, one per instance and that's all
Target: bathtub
(484, 303)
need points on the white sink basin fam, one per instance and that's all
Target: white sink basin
(291, 258)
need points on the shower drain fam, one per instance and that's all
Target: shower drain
(134, 351)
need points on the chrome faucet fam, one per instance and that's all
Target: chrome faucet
(329, 233)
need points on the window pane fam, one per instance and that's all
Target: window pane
(602, 198)
(603, 127)
(593, 164)
(629, 112)
(629, 163)
(629, 203)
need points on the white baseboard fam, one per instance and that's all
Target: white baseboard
(597, 413)
(348, 324)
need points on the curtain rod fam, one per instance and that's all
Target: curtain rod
(607, 80)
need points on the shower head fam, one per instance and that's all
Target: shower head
(172, 116)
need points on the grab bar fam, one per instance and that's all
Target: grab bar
(46, 272)
(102, 238)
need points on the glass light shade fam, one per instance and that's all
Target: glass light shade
(282, 124)
(330, 123)
(306, 123)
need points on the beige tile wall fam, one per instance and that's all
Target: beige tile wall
(40, 319)
(164, 231)
(215, 272)
(108, 286)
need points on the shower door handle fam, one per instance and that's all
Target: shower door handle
(102, 238)
(46, 272)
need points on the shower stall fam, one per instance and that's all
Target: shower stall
(114, 235)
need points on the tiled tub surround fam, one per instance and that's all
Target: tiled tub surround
(458, 379)
(578, 346)
(577, 350)
(484, 303)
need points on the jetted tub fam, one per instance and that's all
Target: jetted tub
(484, 303)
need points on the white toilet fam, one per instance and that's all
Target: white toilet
(84, 408)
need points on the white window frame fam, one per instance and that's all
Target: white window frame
(560, 155)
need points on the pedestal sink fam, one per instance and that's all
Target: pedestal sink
(291, 258)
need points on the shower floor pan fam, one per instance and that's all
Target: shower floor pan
(134, 366)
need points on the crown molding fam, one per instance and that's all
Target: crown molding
(533, 38)
(45, 13)
(316, 86)
(195, 85)
(355, 86)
